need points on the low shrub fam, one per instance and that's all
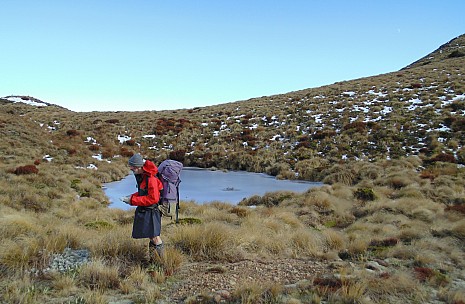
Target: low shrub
(94, 147)
(72, 132)
(130, 142)
(456, 54)
(365, 194)
(423, 274)
(456, 208)
(382, 244)
(28, 169)
(326, 284)
(239, 211)
(126, 153)
(444, 157)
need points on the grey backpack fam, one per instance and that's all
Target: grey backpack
(169, 172)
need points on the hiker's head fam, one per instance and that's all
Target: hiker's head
(136, 162)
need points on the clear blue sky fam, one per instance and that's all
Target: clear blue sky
(119, 55)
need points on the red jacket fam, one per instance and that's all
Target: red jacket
(154, 187)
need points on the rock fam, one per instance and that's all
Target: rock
(70, 259)
(374, 266)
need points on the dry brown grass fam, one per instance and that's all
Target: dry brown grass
(334, 239)
(113, 243)
(211, 241)
(350, 292)
(99, 275)
(65, 284)
(399, 287)
(257, 292)
(458, 229)
(21, 289)
(304, 242)
(357, 246)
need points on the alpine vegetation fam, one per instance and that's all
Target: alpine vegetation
(386, 226)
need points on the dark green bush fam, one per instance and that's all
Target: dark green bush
(456, 54)
(365, 194)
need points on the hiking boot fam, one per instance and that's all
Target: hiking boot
(156, 252)
(160, 248)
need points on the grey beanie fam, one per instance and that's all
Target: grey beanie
(136, 161)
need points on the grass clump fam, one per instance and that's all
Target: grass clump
(211, 241)
(254, 292)
(98, 275)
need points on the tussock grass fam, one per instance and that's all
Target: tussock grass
(400, 287)
(17, 224)
(441, 193)
(99, 275)
(458, 229)
(452, 296)
(137, 278)
(306, 242)
(211, 241)
(369, 171)
(277, 233)
(398, 180)
(21, 289)
(94, 296)
(65, 284)
(255, 292)
(115, 244)
(173, 260)
(414, 231)
(412, 191)
(357, 246)
(421, 209)
(334, 239)
(340, 174)
(319, 199)
(216, 211)
(19, 253)
(350, 292)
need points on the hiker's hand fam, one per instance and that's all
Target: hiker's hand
(126, 199)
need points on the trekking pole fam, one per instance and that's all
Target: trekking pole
(177, 206)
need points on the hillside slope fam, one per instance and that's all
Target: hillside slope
(416, 111)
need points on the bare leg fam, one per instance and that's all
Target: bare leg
(156, 240)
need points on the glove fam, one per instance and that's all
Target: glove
(126, 199)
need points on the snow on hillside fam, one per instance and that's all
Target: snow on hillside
(26, 100)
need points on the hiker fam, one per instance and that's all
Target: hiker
(147, 217)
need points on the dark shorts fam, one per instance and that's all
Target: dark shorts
(147, 222)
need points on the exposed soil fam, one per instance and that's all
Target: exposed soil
(199, 278)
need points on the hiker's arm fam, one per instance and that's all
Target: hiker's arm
(151, 198)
